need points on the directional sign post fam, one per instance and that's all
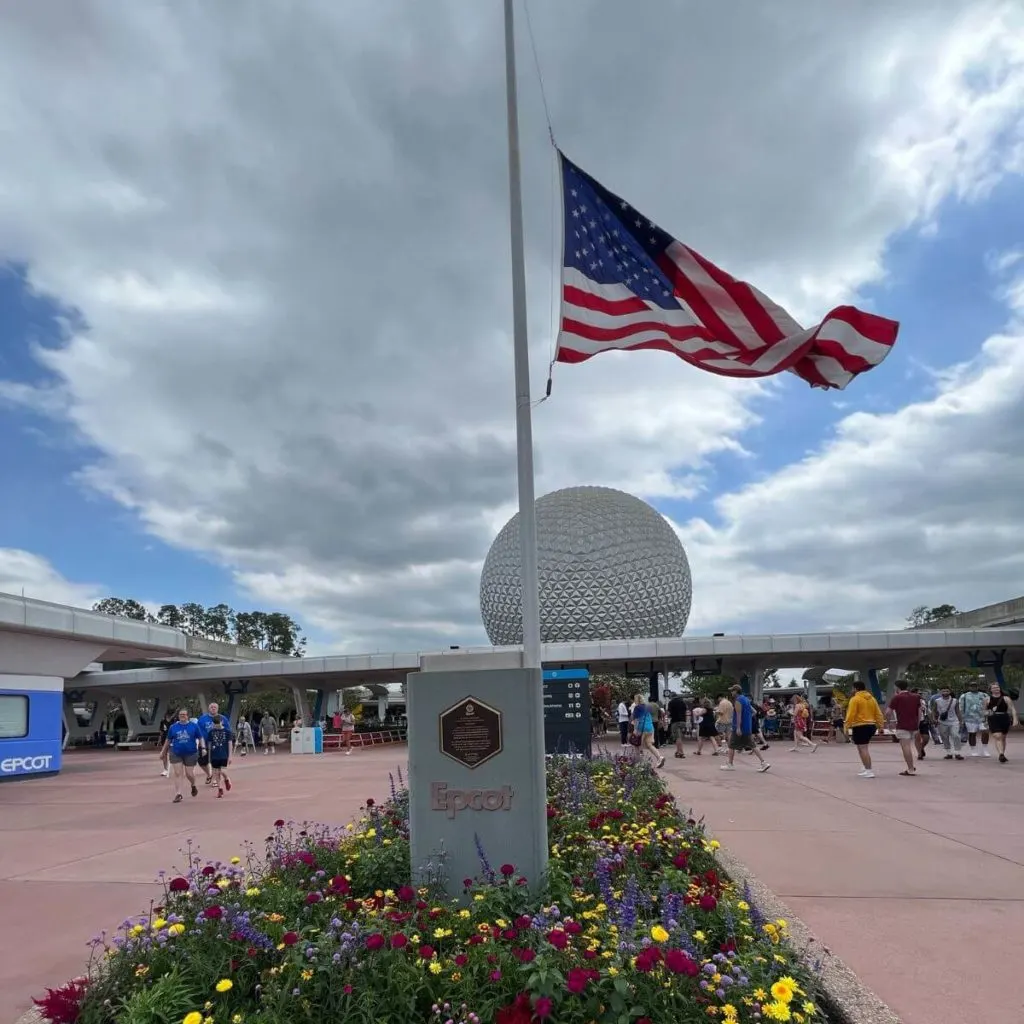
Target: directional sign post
(567, 727)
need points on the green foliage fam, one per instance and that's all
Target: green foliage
(922, 615)
(167, 1001)
(264, 631)
(123, 608)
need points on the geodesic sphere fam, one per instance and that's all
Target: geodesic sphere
(611, 568)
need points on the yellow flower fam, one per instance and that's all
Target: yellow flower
(434, 967)
(808, 1007)
(464, 914)
(224, 985)
(176, 929)
(699, 936)
(141, 971)
(306, 974)
(776, 1011)
(729, 1012)
(137, 929)
(714, 844)
(236, 860)
(252, 891)
(783, 990)
(236, 1019)
(659, 934)
(456, 976)
(193, 1018)
(743, 905)
(158, 924)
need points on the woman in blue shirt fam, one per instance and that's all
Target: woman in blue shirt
(183, 745)
(643, 726)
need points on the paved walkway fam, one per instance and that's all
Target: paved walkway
(80, 852)
(918, 884)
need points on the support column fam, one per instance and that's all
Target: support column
(130, 707)
(745, 683)
(757, 685)
(894, 672)
(653, 684)
(318, 707)
(872, 681)
(302, 707)
(203, 702)
(74, 730)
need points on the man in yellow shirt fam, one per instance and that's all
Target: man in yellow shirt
(863, 719)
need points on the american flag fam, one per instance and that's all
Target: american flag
(627, 284)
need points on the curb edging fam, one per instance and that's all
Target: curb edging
(847, 999)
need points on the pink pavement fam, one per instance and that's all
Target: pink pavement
(80, 852)
(916, 883)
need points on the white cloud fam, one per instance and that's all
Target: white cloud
(27, 575)
(287, 237)
(921, 506)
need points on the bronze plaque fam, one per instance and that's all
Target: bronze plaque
(470, 732)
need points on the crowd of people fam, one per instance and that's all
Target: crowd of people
(733, 722)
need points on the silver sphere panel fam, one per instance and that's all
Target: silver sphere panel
(611, 568)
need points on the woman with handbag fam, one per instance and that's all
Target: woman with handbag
(1002, 715)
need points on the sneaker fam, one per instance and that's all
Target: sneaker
(220, 792)
(209, 780)
(195, 789)
(177, 799)
(727, 767)
(985, 753)
(863, 772)
(975, 753)
(227, 783)
(867, 775)
(164, 774)
(764, 767)
(1002, 759)
(959, 757)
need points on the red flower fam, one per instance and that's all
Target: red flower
(370, 801)
(279, 823)
(558, 938)
(679, 962)
(348, 991)
(213, 913)
(495, 975)
(507, 870)
(313, 897)
(399, 941)
(178, 884)
(375, 941)
(577, 979)
(406, 894)
(522, 921)
(467, 883)
(589, 954)
(461, 960)
(290, 938)
(427, 952)
(543, 1008)
(252, 951)
(524, 956)
(573, 927)
(306, 857)
(680, 860)
(63, 1005)
(339, 883)
(552, 813)
(708, 902)
(209, 870)
(474, 940)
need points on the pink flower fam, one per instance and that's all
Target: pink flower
(375, 941)
(558, 938)
(427, 952)
(708, 902)
(543, 1008)
(213, 913)
(399, 941)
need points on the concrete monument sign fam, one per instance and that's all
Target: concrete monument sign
(470, 732)
(476, 767)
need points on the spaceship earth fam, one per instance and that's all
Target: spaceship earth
(611, 568)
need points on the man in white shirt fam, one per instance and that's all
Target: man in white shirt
(623, 714)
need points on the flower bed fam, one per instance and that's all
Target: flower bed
(635, 925)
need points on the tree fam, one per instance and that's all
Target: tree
(193, 618)
(123, 608)
(922, 615)
(217, 622)
(169, 615)
(771, 678)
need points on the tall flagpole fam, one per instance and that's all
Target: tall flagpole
(520, 339)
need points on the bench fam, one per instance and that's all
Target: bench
(130, 745)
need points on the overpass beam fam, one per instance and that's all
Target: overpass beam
(897, 670)
(302, 708)
(870, 676)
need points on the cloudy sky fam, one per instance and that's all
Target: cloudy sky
(255, 305)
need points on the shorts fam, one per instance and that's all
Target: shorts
(218, 763)
(924, 729)
(974, 725)
(837, 723)
(678, 730)
(862, 734)
(204, 759)
(741, 741)
(188, 760)
(904, 734)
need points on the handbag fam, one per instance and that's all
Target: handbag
(635, 739)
